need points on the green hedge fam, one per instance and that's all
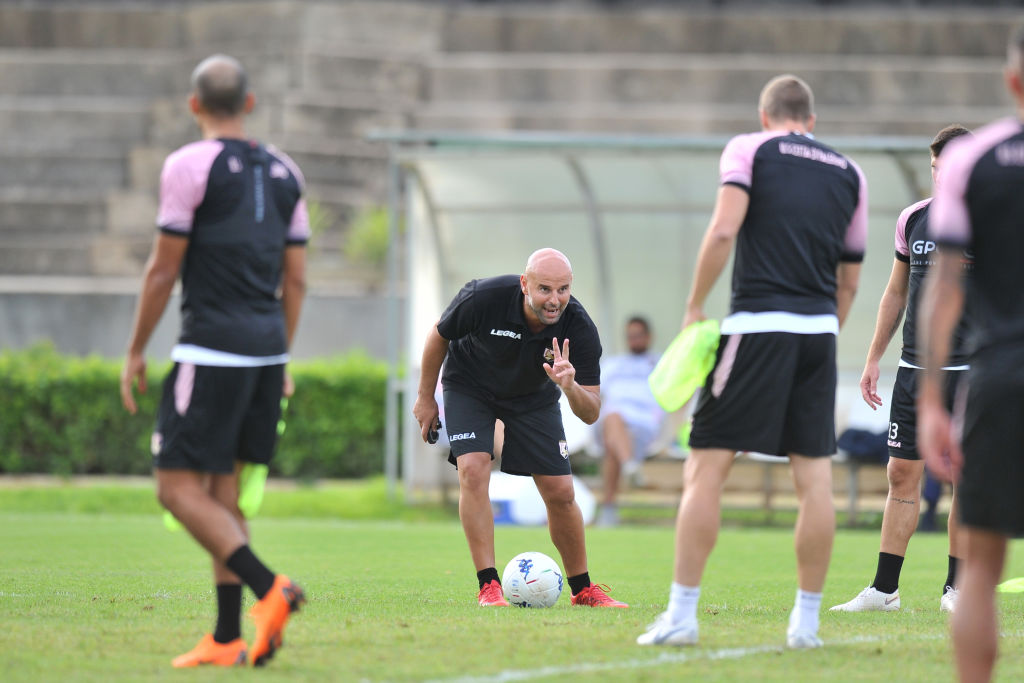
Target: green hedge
(63, 415)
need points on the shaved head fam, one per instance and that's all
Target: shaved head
(220, 84)
(545, 259)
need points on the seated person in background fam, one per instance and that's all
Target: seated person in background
(630, 416)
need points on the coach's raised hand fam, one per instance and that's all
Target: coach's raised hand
(561, 371)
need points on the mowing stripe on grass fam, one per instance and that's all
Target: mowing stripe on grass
(663, 658)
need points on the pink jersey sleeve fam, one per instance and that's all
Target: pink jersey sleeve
(901, 225)
(950, 221)
(298, 229)
(736, 167)
(857, 232)
(183, 184)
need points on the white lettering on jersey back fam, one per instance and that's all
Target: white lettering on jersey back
(812, 153)
(922, 246)
(506, 333)
(464, 435)
(1010, 154)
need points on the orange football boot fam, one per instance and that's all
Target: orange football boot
(594, 595)
(491, 595)
(209, 651)
(271, 615)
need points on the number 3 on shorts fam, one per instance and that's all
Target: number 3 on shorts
(893, 428)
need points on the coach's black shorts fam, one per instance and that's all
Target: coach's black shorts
(771, 393)
(209, 417)
(534, 440)
(991, 489)
(903, 410)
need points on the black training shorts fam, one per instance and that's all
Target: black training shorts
(992, 481)
(209, 417)
(903, 410)
(534, 440)
(771, 393)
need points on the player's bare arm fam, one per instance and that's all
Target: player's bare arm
(585, 401)
(890, 314)
(847, 279)
(162, 270)
(425, 410)
(293, 290)
(942, 302)
(726, 220)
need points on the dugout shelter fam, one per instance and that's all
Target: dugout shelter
(628, 211)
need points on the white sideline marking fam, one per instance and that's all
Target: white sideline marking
(677, 657)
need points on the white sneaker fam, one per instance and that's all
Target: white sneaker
(870, 600)
(947, 603)
(803, 640)
(665, 632)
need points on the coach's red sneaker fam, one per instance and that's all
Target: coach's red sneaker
(271, 614)
(209, 651)
(594, 595)
(491, 595)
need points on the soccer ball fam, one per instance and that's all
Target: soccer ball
(532, 580)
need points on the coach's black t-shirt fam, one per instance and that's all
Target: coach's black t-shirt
(494, 356)
(914, 248)
(979, 206)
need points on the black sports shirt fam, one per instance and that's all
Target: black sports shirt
(914, 247)
(239, 204)
(979, 206)
(494, 356)
(807, 212)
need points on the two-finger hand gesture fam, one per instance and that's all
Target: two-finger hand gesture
(561, 371)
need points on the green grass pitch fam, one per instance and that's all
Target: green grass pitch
(113, 597)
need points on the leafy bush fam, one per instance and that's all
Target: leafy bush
(63, 415)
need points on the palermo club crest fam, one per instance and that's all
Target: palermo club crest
(549, 355)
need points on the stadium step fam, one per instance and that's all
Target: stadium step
(718, 79)
(44, 212)
(56, 122)
(23, 164)
(873, 31)
(371, 71)
(343, 115)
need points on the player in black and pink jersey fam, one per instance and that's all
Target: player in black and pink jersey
(233, 223)
(979, 207)
(797, 212)
(915, 253)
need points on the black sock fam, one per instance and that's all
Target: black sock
(253, 572)
(887, 576)
(951, 574)
(229, 612)
(579, 582)
(485, 576)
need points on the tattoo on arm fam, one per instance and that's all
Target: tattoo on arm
(896, 324)
(903, 500)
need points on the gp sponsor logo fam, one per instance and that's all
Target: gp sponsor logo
(506, 333)
(922, 246)
(462, 436)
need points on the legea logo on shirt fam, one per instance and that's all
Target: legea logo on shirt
(506, 333)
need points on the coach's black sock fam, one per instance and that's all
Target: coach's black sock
(951, 574)
(253, 572)
(887, 576)
(579, 582)
(229, 612)
(485, 576)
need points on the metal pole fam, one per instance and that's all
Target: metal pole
(391, 426)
